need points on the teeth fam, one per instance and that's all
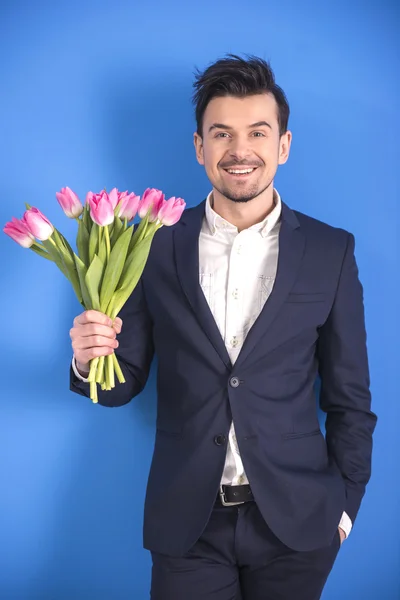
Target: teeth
(239, 172)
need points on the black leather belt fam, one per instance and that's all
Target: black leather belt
(230, 495)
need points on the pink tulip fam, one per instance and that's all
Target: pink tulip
(101, 210)
(37, 224)
(69, 202)
(152, 199)
(18, 231)
(171, 211)
(127, 206)
(114, 197)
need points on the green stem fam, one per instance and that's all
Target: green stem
(99, 371)
(93, 392)
(118, 369)
(143, 232)
(110, 309)
(110, 371)
(54, 244)
(99, 240)
(93, 367)
(108, 244)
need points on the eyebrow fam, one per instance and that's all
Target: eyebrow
(222, 126)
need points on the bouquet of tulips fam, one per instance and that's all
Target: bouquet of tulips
(111, 252)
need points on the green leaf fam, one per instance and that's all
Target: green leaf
(67, 256)
(86, 218)
(93, 241)
(141, 229)
(65, 244)
(82, 270)
(41, 252)
(82, 243)
(131, 274)
(93, 279)
(56, 257)
(114, 268)
(117, 230)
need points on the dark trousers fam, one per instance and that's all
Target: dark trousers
(239, 558)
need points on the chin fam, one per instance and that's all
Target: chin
(240, 196)
(240, 199)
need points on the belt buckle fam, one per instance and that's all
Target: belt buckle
(224, 502)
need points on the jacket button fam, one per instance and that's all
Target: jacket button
(220, 440)
(234, 382)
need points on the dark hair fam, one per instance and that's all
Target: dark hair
(235, 76)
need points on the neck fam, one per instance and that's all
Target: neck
(244, 214)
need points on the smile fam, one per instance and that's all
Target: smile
(242, 173)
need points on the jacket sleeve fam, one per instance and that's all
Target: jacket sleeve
(134, 353)
(345, 383)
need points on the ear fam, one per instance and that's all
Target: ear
(284, 147)
(198, 144)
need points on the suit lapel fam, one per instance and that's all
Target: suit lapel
(291, 249)
(186, 245)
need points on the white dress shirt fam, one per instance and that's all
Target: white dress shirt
(237, 274)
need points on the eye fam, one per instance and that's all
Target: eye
(222, 133)
(258, 133)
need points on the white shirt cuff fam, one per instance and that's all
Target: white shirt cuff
(346, 524)
(75, 370)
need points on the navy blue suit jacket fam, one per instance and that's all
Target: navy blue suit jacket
(312, 324)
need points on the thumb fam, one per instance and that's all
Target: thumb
(117, 324)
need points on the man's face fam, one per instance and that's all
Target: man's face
(241, 147)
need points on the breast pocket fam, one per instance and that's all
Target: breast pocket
(308, 297)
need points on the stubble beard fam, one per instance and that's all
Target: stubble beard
(242, 196)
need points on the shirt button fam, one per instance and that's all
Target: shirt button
(234, 382)
(220, 440)
(235, 293)
(234, 342)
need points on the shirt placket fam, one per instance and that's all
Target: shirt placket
(234, 331)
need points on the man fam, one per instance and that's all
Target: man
(245, 302)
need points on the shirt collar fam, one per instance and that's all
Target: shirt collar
(217, 223)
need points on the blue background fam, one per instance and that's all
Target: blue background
(98, 95)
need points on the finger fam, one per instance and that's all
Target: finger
(93, 316)
(95, 329)
(85, 356)
(94, 341)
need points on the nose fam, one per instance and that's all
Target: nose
(240, 148)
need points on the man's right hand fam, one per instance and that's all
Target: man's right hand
(93, 334)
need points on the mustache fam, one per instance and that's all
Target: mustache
(230, 165)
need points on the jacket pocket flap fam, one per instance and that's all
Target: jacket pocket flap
(313, 297)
